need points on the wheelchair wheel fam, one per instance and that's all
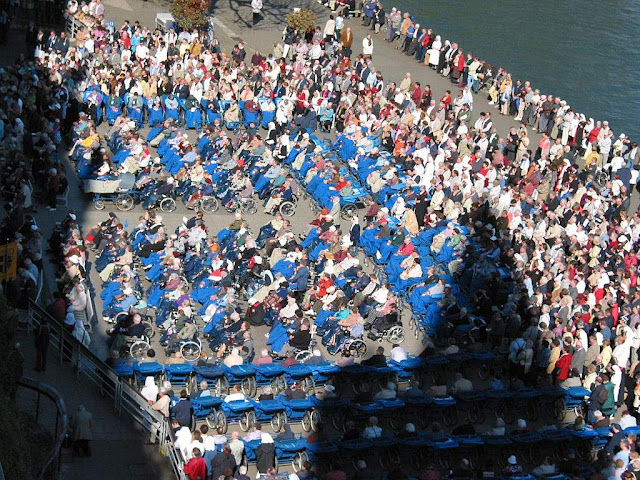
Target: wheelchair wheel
(248, 206)
(395, 334)
(357, 348)
(287, 209)
(232, 206)
(209, 205)
(120, 316)
(584, 450)
(559, 409)
(212, 419)
(338, 420)
(222, 386)
(300, 460)
(602, 177)
(124, 202)
(247, 420)
(315, 420)
(249, 386)
(279, 384)
(149, 331)
(167, 205)
(303, 355)
(190, 351)
(98, 203)
(139, 348)
(223, 424)
(348, 211)
(306, 422)
(278, 421)
(309, 385)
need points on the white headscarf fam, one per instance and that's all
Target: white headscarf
(150, 389)
(266, 438)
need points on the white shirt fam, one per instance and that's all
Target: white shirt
(372, 432)
(628, 421)
(398, 354)
(233, 397)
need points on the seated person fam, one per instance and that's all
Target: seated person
(387, 393)
(119, 333)
(298, 340)
(293, 392)
(180, 336)
(235, 395)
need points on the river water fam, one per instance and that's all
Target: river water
(585, 52)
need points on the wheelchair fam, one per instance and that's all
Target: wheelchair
(246, 206)
(149, 330)
(207, 409)
(390, 329)
(137, 346)
(120, 191)
(288, 207)
(355, 346)
(190, 350)
(166, 203)
(207, 205)
(203, 203)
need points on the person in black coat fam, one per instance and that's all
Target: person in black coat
(182, 410)
(377, 360)
(222, 461)
(266, 454)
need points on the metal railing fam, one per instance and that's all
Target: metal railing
(126, 400)
(52, 463)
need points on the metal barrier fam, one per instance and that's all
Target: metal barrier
(126, 400)
(51, 466)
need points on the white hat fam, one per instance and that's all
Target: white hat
(512, 460)
(127, 291)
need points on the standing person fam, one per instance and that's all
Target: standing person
(223, 461)
(81, 426)
(265, 454)
(346, 38)
(196, 469)
(256, 6)
(161, 405)
(367, 46)
(330, 29)
(43, 334)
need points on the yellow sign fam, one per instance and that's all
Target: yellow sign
(8, 261)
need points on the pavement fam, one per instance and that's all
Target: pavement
(117, 447)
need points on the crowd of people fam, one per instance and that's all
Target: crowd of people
(542, 113)
(557, 304)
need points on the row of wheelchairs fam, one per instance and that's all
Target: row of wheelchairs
(349, 206)
(188, 112)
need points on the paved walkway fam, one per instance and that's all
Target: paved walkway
(118, 446)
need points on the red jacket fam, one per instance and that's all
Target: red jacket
(564, 364)
(196, 469)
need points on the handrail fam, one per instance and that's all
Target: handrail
(126, 399)
(40, 287)
(55, 397)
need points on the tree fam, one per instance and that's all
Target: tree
(190, 14)
(302, 19)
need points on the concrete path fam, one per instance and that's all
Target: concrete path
(118, 450)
